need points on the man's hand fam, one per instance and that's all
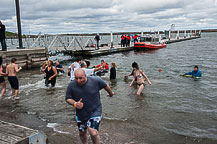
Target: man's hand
(79, 104)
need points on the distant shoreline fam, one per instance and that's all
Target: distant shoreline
(14, 35)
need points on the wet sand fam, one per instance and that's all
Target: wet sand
(111, 131)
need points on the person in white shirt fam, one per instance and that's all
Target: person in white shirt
(88, 71)
(75, 65)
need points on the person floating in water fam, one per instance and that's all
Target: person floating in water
(50, 74)
(113, 71)
(138, 75)
(195, 73)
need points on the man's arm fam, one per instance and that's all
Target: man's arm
(109, 91)
(17, 69)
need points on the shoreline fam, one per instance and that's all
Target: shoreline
(111, 131)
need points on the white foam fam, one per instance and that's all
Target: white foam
(54, 126)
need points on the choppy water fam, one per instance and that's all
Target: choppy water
(171, 110)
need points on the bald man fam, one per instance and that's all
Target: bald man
(83, 94)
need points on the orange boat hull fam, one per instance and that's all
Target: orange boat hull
(142, 45)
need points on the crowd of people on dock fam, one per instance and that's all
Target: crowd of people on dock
(126, 39)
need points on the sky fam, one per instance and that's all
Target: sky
(97, 16)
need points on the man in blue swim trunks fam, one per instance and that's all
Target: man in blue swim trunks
(11, 71)
(83, 94)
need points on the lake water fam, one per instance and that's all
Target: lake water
(173, 110)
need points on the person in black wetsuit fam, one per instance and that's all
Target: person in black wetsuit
(50, 74)
(113, 71)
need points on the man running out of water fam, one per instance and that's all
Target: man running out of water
(83, 93)
(138, 75)
(11, 71)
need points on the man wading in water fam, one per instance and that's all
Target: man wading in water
(83, 94)
(11, 71)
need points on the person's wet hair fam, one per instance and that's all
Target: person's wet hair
(135, 65)
(13, 60)
(83, 64)
(196, 67)
(88, 63)
(51, 62)
(78, 58)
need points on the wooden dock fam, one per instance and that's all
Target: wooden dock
(102, 51)
(181, 39)
(27, 58)
(117, 48)
(16, 134)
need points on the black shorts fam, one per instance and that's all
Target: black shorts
(2, 79)
(13, 82)
(52, 81)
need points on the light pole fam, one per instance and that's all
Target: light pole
(19, 24)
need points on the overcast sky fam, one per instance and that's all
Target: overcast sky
(90, 16)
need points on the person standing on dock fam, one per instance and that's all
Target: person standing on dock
(84, 94)
(2, 80)
(128, 40)
(97, 38)
(135, 38)
(122, 41)
(125, 40)
(50, 74)
(3, 37)
(12, 70)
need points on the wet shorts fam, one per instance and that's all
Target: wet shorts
(93, 122)
(13, 82)
(2, 79)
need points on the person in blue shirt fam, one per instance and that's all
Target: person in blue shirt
(195, 73)
(84, 94)
(59, 67)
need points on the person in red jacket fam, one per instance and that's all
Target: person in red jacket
(104, 66)
(122, 41)
(128, 40)
(135, 38)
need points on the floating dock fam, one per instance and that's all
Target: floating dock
(102, 51)
(115, 49)
(16, 134)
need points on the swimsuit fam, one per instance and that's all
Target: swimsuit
(13, 82)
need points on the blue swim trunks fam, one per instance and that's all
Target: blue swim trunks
(13, 82)
(93, 122)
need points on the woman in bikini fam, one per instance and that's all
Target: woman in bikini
(138, 77)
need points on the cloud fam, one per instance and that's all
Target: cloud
(84, 16)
